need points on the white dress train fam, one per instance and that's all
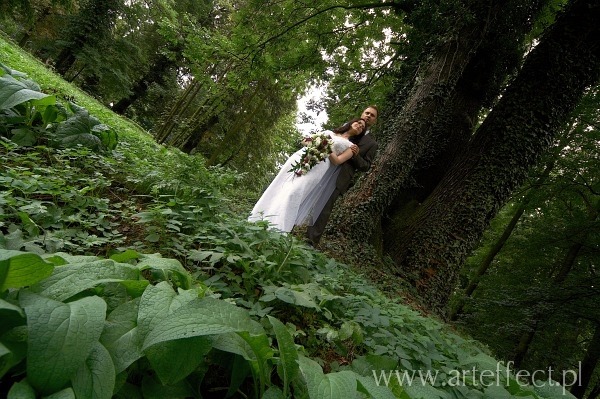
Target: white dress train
(296, 200)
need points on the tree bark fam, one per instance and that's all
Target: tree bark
(166, 128)
(436, 121)
(518, 130)
(508, 230)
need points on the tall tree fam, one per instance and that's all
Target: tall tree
(436, 239)
(92, 24)
(429, 122)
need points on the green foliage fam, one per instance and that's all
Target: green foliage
(29, 117)
(93, 326)
(51, 200)
(558, 232)
(233, 305)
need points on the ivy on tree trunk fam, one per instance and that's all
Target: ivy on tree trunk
(519, 129)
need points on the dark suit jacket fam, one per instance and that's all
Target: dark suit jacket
(367, 148)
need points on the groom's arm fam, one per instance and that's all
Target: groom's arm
(363, 161)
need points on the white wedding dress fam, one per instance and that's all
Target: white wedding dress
(296, 200)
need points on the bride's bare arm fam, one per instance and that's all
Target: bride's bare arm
(340, 159)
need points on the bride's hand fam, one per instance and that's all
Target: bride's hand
(354, 149)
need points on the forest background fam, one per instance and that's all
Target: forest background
(481, 209)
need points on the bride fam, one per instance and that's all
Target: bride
(296, 200)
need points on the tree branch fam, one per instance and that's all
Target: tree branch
(303, 20)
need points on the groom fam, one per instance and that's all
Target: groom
(367, 148)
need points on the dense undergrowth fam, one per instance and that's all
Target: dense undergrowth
(132, 273)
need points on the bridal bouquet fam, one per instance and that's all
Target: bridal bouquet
(317, 147)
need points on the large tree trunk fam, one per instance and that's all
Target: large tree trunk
(588, 364)
(449, 223)
(499, 55)
(498, 244)
(520, 209)
(166, 128)
(436, 121)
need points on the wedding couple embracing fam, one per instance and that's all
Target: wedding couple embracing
(304, 192)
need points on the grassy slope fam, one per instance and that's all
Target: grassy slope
(401, 332)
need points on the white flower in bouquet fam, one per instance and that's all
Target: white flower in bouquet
(317, 147)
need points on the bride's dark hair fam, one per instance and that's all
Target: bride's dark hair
(346, 126)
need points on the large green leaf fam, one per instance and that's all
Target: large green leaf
(6, 359)
(273, 393)
(60, 338)
(327, 386)
(107, 136)
(552, 390)
(120, 335)
(20, 269)
(21, 390)
(14, 92)
(254, 348)
(174, 360)
(205, 316)
(11, 316)
(368, 386)
(153, 389)
(66, 393)
(24, 136)
(420, 389)
(287, 368)
(168, 267)
(13, 348)
(71, 279)
(78, 129)
(159, 302)
(95, 379)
